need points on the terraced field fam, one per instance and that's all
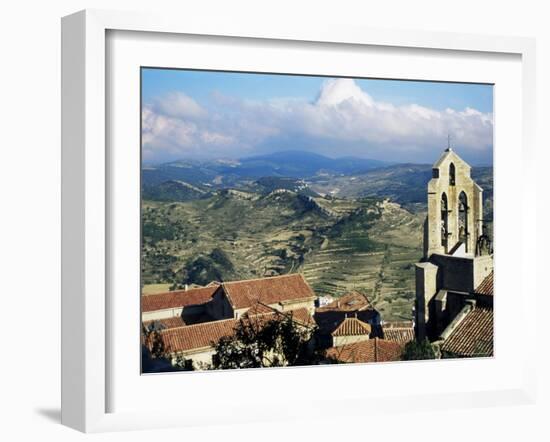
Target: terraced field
(385, 274)
(363, 244)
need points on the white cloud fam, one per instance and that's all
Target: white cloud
(337, 91)
(178, 105)
(344, 120)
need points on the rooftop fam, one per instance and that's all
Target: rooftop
(198, 336)
(166, 322)
(259, 309)
(272, 290)
(178, 298)
(350, 302)
(447, 156)
(473, 336)
(401, 332)
(486, 286)
(352, 327)
(207, 334)
(299, 315)
(373, 350)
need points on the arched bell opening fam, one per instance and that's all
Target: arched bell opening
(463, 219)
(444, 222)
(452, 174)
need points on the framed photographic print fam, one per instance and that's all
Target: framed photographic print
(250, 209)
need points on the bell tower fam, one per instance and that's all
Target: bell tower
(455, 208)
(458, 253)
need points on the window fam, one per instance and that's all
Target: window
(452, 175)
(435, 173)
(463, 219)
(444, 221)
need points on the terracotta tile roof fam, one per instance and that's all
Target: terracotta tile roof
(373, 350)
(197, 336)
(352, 327)
(167, 322)
(299, 315)
(302, 316)
(473, 336)
(401, 332)
(259, 309)
(179, 321)
(349, 302)
(179, 298)
(398, 324)
(207, 334)
(486, 286)
(276, 289)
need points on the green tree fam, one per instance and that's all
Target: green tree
(260, 342)
(415, 350)
(182, 363)
(154, 343)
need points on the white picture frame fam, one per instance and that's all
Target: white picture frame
(86, 206)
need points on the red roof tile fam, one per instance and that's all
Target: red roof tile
(276, 289)
(302, 316)
(373, 350)
(486, 286)
(473, 336)
(207, 334)
(259, 309)
(197, 336)
(167, 322)
(352, 327)
(349, 302)
(401, 332)
(175, 299)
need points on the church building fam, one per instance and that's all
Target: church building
(453, 277)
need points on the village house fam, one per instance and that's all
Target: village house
(355, 330)
(373, 350)
(195, 344)
(470, 333)
(398, 331)
(187, 324)
(454, 280)
(187, 305)
(353, 306)
(349, 331)
(229, 299)
(282, 293)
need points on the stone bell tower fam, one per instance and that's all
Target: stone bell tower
(455, 208)
(457, 252)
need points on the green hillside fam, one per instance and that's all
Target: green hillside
(339, 245)
(364, 234)
(403, 183)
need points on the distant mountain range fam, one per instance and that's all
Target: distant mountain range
(304, 173)
(293, 164)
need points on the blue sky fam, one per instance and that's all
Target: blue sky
(200, 84)
(201, 114)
